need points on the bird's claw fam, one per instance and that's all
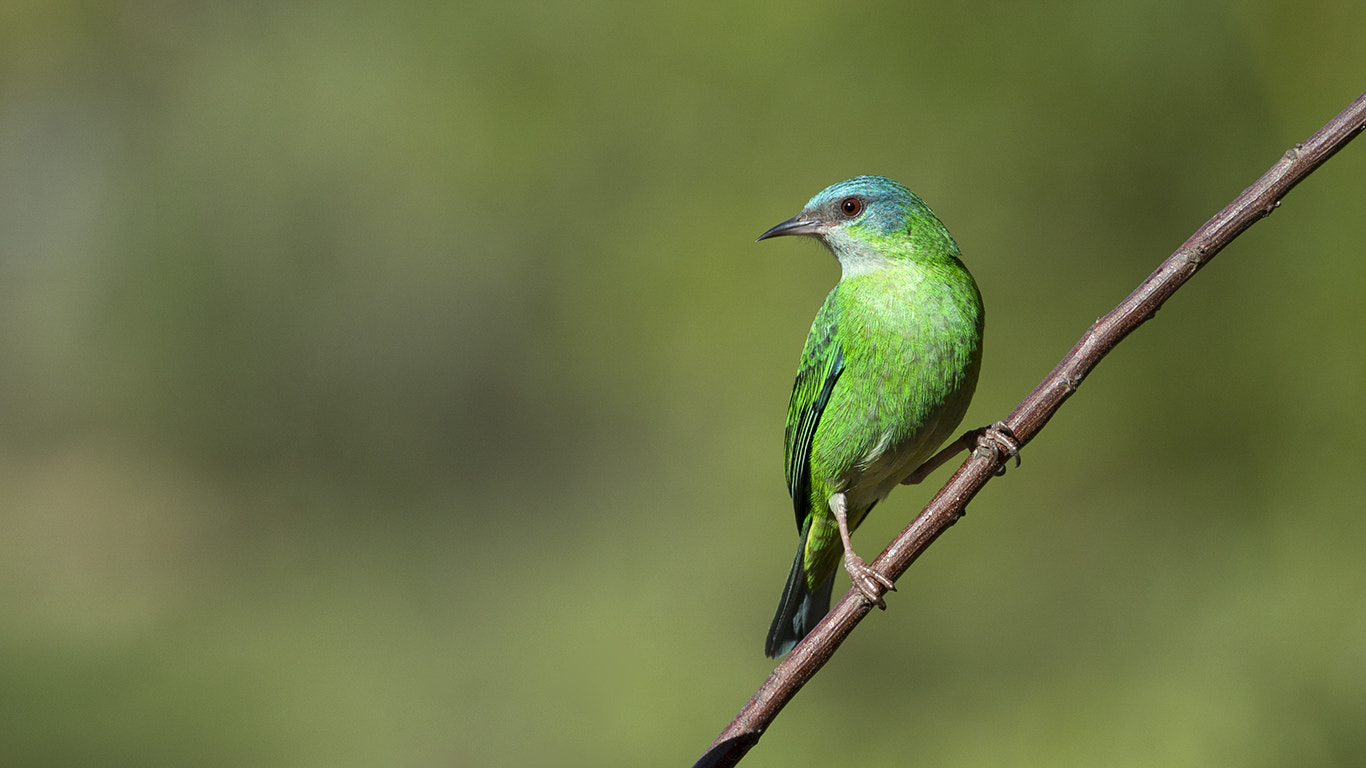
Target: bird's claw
(1000, 441)
(871, 584)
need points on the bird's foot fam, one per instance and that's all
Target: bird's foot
(871, 584)
(1000, 441)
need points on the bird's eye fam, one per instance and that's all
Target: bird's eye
(851, 206)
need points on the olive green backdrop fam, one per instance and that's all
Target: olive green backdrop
(399, 383)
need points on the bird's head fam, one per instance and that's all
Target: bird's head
(868, 222)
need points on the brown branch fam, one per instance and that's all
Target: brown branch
(1256, 202)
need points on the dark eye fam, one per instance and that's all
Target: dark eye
(851, 206)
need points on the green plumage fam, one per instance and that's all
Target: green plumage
(887, 373)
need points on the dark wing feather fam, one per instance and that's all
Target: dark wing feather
(822, 363)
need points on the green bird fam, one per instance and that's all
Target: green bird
(885, 377)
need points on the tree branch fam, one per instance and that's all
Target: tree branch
(1256, 202)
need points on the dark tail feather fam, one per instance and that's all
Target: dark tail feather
(800, 609)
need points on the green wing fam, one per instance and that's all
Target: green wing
(822, 363)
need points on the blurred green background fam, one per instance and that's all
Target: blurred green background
(399, 384)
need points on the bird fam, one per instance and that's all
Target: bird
(885, 377)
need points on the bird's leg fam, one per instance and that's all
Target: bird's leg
(963, 443)
(871, 584)
(996, 438)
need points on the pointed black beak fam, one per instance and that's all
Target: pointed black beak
(800, 224)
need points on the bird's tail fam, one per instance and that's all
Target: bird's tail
(800, 608)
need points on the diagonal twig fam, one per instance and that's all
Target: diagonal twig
(1255, 202)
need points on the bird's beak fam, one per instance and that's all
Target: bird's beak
(801, 224)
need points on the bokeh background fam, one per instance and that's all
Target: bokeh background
(400, 384)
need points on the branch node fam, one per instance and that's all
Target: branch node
(1193, 256)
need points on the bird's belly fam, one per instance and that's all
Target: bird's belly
(891, 441)
(870, 480)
